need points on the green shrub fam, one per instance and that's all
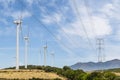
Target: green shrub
(109, 75)
(117, 78)
(95, 76)
(66, 68)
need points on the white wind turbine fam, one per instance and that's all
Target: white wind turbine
(18, 23)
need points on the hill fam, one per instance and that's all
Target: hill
(53, 73)
(33, 72)
(28, 74)
(114, 70)
(90, 66)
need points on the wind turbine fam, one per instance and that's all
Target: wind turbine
(45, 51)
(18, 23)
(39, 57)
(53, 58)
(26, 38)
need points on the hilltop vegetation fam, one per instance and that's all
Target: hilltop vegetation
(114, 70)
(71, 74)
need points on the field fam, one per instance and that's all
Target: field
(53, 73)
(27, 74)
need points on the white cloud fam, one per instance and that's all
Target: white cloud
(74, 30)
(58, 17)
(112, 9)
(47, 19)
(116, 36)
(99, 23)
(6, 6)
(5, 3)
(30, 2)
(108, 7)
(101, 27)
(54, 18)
(17, 14)
(3, 21)
(81, 7)
(7, 31)
(112, 51)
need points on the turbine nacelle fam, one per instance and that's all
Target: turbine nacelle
(17, 22)
(26, 38)
(45, 46)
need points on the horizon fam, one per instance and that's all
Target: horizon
(69, 27)
(97, 61)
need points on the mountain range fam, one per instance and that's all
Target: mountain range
(90, 66)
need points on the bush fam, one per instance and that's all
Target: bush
(44, 79)
(66, 68)
(109, 75)
(95, 76)
(117, 78)
(57, 79)
(73, 74)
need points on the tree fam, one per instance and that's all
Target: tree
(109, 75)
(95, 76)
(66, 68)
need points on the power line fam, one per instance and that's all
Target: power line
(21, 30)
(90, 17)
(84, 29)
(26, 38)
(28, 29)
(61, 28)
(50, 32)
(22, 36)
(68, 20)
(42, 25)
(101, 57)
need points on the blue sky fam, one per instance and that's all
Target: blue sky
(70, 28)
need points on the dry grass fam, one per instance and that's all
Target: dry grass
(117, 73)
(27, 74)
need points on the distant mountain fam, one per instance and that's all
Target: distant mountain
(90, 66)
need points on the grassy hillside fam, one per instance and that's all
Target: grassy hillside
(51, 73)
(114, 70)
(28, 74)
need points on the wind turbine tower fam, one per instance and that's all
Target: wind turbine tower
(39, 59)
(26, 49)
(53, 58)
(45, 51)
(18, 23)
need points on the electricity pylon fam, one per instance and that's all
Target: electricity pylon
(101, 55)
(100, 43)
